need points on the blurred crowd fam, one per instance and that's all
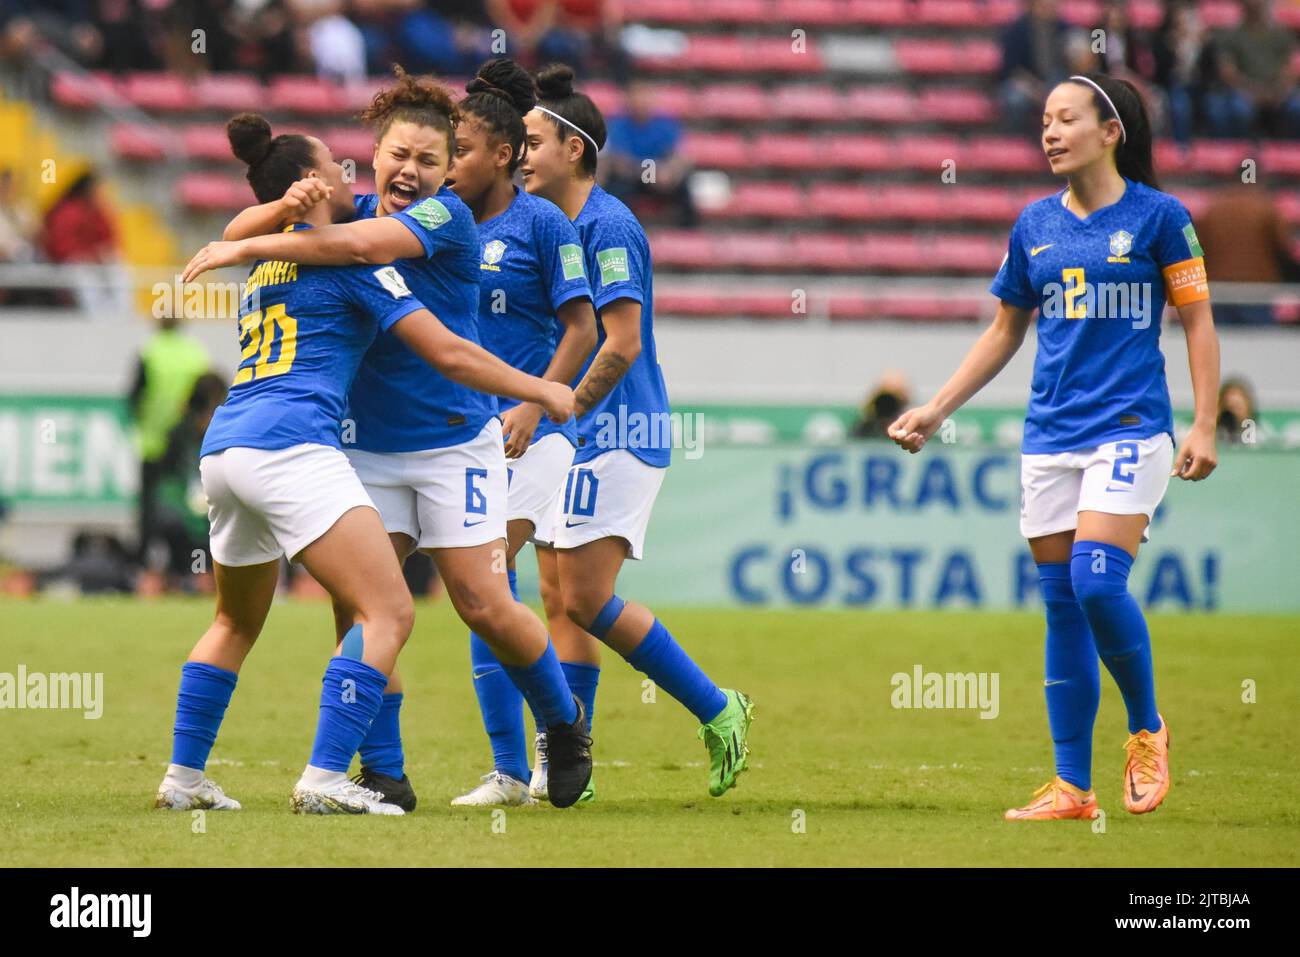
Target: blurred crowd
(345, 39)
(1237, 82)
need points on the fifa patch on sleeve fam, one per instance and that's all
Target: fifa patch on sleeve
(1193, 244)
(571, 261)
(1186, 281)
(392, 280)
(430, 214)
(613, 265)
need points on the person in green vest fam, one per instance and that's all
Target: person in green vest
(169, 365)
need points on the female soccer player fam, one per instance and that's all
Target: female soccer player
(428, 450)
(535, 313)
(624, 443)
(278, 484)
(1098, 260)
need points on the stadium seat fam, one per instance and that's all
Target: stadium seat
(742, 102)
(213, 192)
(228, 92)
(138, 143)
(308, 95)
(160, 92)
(820, 13)
(717, 150)
(859, 153)
(1221, 156)
(683, 248)
(1003, 154)
(788, 151)
(805, 103)
(770, 200)
(352, 142)
(206, 141)
(78, 92)
(926, 56)
(879, 104)
(956, 105)
(926, 154)
(843, 201)
(677, 99)
(878, 13)
(1279, 159)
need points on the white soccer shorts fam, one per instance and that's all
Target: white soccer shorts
(609, 497)
(1127, 477)
(537, 481)
(453, 497)
(266, 503)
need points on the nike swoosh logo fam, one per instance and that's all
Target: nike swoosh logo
(1118, 488)
(1038, 249)
(1058, 681)
(1133, 791)
(477, 675)
(469, 524)
(569, 524)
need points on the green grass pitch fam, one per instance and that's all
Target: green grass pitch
(838, 775)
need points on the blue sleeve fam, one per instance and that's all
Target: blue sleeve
(621, 262)
(1012, 284)
(380, 293)
(559, 250)
(1176, 241)
(435, 226)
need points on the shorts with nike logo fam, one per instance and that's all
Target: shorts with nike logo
(455, 497)
(610, 496)
(1127, 477)
(536, 481)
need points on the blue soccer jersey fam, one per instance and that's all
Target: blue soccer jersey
(303, 331)
(634, 416)
(398, 402)
(532, 264)
(1100, 285)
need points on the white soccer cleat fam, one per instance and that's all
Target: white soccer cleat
(185, 789)
(537, 786)
(497, 789)
(330, 792)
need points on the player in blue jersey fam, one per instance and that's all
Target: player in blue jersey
(429, 451)
(535, 312)
(1099, 261)
(278, 484)
(624, 443)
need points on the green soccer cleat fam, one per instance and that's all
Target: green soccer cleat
(589, 792)
(726, 738)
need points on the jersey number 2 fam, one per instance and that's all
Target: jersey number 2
(257, 334)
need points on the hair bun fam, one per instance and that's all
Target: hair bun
(555, 82)
(250, 137)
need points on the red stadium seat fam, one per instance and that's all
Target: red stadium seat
(228, 92)
(77, 92)
(1220, 14)
(1221, 156)
(926, 153)
(949, 13)
(718, 305)
(306, 94)
(821, 13)
(676, 99)
(607, 96)
(1003, 154)
(161, 92)
(735, 101)
(1170, 157)
(206, 141)
(805, 103)
(928, 56)
(684, 248)
(761, 251)
(956, 105)
(963, 253)
(1081, 13)
(768, 200)
(1279, 159)
(859, 153)
(131, 141)
(718, 150)
(878, 13)
(213, 192)
(669, 11)
(880, 104)
(351, 142)
(788, 151)
(844, 201)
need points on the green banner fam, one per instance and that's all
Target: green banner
(66, 451)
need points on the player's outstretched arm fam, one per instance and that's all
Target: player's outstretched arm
(469, 364)
(579, 321)
(622, 320)
(366, 241)
(274, 216)
(1197, 456)
(990, 354)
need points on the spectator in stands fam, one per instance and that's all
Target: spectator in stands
(1034, 60)
(80, 230)
(1236, 406)
(328, 39)
(435, 36)
(885, 404)
(262, 37)
(645, 157)
(1178, 48)
(1255, 85)
(1123, 51)
(18, 224)
(1245, 240)
(577, 32)
(180, 517)
(66, 25)
(169, 366)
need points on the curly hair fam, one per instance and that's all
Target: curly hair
(413, 99)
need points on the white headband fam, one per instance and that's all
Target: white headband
(585, 135)
(1123, 135)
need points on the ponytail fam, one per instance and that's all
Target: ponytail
(1133, 154)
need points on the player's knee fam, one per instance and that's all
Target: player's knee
(583, 606)
(233, 630)
(1095, 584)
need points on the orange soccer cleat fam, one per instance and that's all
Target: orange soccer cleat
(1057, 800)
(1146, 773)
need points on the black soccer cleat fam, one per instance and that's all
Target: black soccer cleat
(394, 791)
(568, 759)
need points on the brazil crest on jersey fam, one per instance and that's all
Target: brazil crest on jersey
(399, 403)
(303, 331)
(532, 264)
(1100, 285)
(634, 416)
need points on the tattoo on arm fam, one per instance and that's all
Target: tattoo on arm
(606, 370)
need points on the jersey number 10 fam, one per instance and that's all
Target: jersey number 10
(257, 334)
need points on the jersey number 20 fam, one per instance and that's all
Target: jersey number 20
(257, 334)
